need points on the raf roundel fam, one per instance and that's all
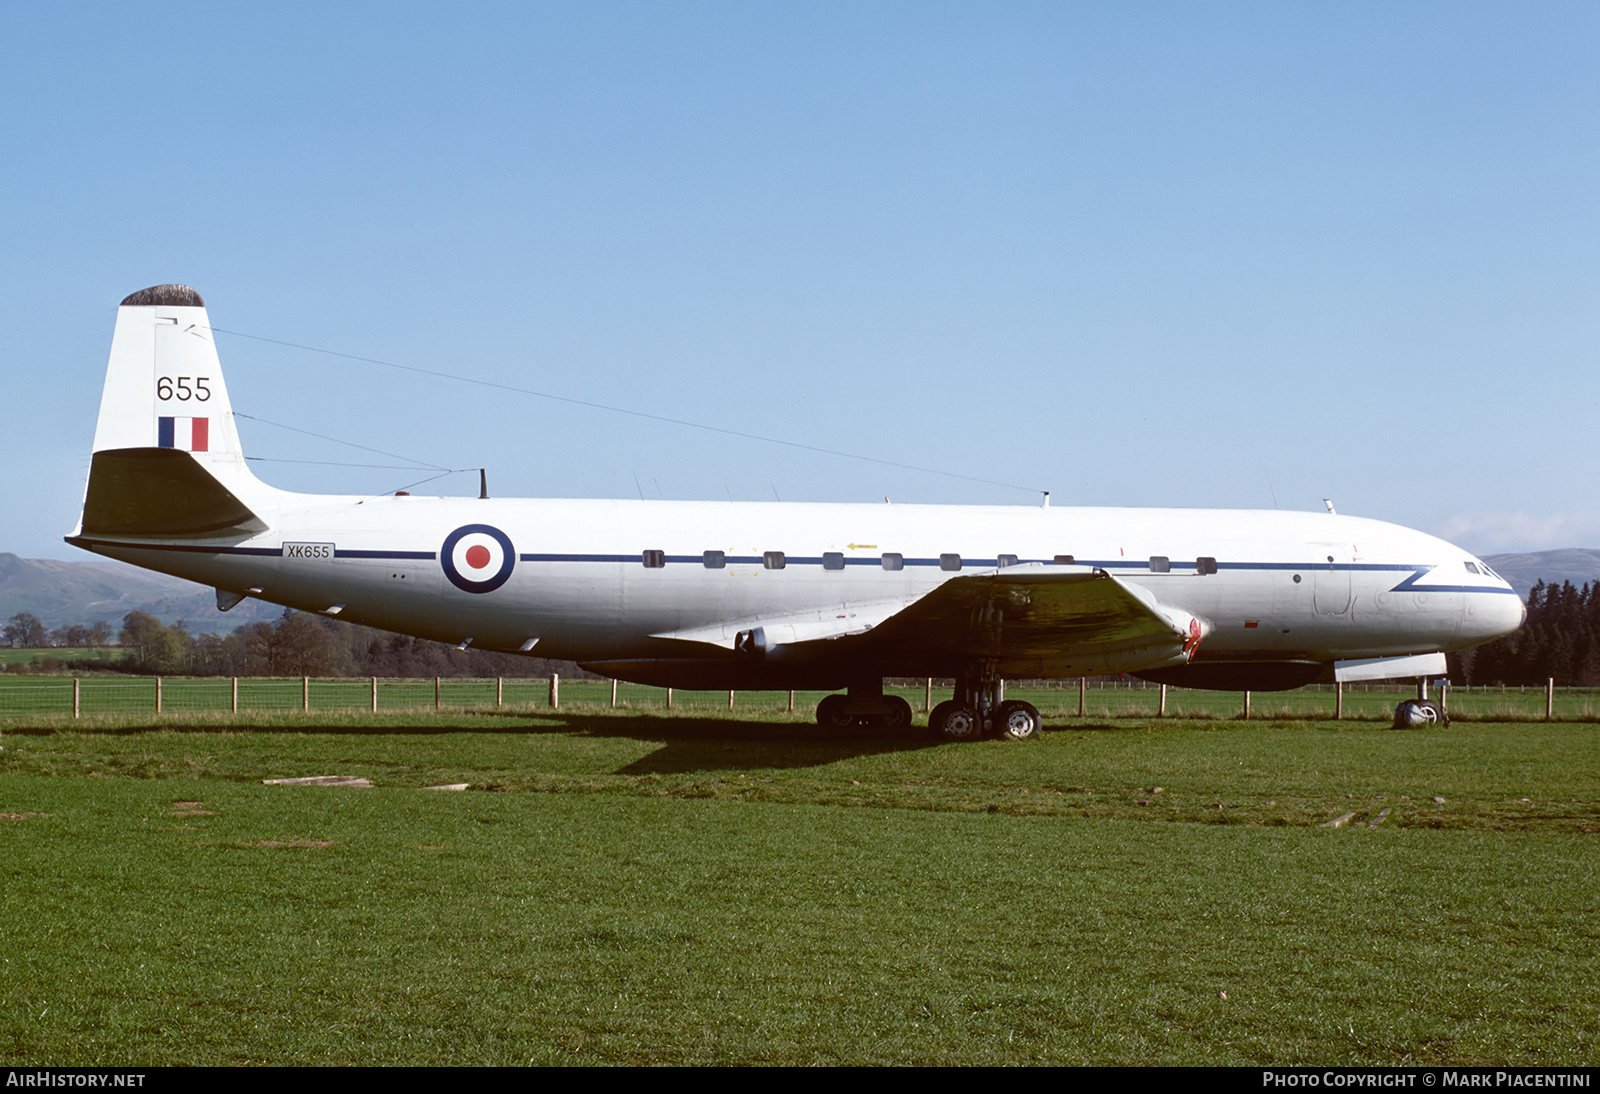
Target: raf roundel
(477, 558)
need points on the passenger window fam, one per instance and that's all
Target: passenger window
(892, 561)
(1159, 564)
(832, 560)
(714, 560)
(1007, 560)
(1205, 564)
(1065, 560)
(655, 560)
(949, 562)
(773, 560)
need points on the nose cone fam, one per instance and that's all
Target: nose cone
(1492, 615)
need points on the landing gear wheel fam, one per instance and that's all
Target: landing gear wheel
(1018, 721)
(898, 716)
(832, 714)
(936, 716)
(958, 724)
(1419, 712)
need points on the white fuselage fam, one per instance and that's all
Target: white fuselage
(613, 581)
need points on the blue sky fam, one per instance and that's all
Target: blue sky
(1237, 255)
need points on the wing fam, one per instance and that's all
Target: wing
(1045, 621)
(1030, 620)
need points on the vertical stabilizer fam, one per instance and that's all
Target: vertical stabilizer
(167, 456)
(164, 385)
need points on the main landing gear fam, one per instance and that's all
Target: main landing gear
(865, 704)
(978, 709)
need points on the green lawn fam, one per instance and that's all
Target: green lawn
(24, 696)
(639, 888)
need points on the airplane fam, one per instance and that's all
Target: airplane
(775, 596)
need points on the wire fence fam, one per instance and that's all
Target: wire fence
(69, 697)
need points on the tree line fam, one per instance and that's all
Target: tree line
(25, 631)
(295, 644)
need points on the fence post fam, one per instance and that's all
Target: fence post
(1247, 706)
(1161, 712)
(927, 695)
(374, 695)
(791, 700)
(233, 697)
(730, 698)
(499, 691)
(669, 698)
(435, 693)
(1083, 695)
(75, 697)
(613, 694)
(305, 694)
(1338, 701)
(158, 695)
(555, 691)
(1549, 698)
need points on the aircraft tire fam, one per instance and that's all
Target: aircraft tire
(898, 716)
(960, 724)
(1419, 712)
(831, 713)
(936, 716)
(1018, 721)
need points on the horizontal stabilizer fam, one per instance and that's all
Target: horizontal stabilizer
(160, 492)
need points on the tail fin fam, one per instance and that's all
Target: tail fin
(167, 460)
(164, 384)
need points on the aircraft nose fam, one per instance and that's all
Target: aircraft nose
(1495, 616)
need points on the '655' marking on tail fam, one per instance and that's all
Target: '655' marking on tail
(477, 558)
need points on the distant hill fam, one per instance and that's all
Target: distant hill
(63, 593)
(1574, 564)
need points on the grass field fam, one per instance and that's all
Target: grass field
(639, 887)
(125, 696)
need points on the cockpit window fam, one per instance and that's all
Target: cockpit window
(1471, 569)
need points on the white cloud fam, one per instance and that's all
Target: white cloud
(1502, 533)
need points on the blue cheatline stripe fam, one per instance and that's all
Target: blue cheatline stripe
(259, 552)
(386, 554)
(81, 541)
(1120, 567)
(166, 433)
